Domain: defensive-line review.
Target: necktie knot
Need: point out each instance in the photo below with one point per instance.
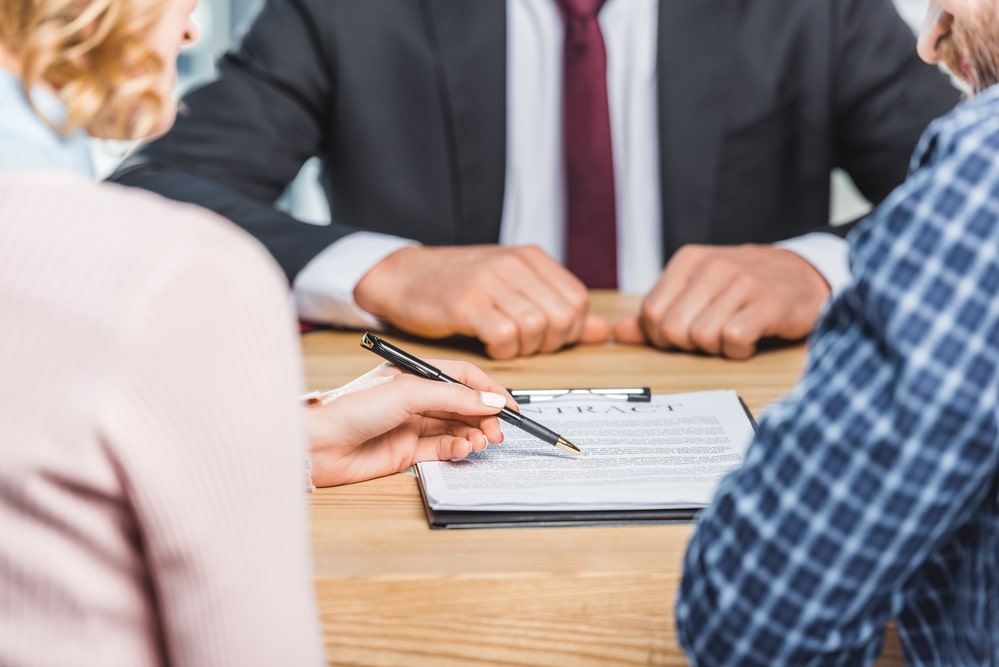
(580, 9)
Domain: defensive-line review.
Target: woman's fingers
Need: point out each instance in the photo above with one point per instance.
(448, 447)
(473, 376)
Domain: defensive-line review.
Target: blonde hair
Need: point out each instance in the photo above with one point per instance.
(95, 54)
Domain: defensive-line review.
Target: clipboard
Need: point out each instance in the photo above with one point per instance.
(457, 519)
(451, 519)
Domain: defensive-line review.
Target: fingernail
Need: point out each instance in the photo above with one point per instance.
(492, 399)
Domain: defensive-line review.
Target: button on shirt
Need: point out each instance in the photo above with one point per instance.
(870, 492)
(534, 198)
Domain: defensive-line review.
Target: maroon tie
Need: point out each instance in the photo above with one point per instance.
(591, 242)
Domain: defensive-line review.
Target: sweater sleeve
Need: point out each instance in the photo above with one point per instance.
(208, 434)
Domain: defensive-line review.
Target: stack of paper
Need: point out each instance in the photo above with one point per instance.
(657, 460)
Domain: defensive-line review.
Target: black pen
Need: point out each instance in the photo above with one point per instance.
(408, 362)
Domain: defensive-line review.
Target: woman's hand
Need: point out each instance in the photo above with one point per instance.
(387, 420)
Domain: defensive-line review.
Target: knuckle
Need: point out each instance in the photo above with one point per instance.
(408, 388)
(674, 333)
(578, 299)
(532, 250)
(461, 368)
(648, 316)
(705, 338)
(719, 267)
(689, 251)
(747, 282)
(467, 292)
(534, 322)
(562, 321)
(502, 351)
(501, 334)
(524, 254)
(501, 265)
(738, 335)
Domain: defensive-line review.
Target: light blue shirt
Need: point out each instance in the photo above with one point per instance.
(27, 142)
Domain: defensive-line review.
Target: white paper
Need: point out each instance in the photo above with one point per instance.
(669, 453)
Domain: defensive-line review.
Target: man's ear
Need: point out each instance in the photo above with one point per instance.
(937, 26)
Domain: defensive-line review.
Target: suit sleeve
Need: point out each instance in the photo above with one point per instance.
(884, 95)
(241, 139)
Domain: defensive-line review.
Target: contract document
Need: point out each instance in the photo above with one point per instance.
(655, 460)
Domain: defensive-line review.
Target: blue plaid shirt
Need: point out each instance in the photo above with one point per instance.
(870, 491)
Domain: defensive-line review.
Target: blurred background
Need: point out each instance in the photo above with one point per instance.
(222, 21)
(848, 204)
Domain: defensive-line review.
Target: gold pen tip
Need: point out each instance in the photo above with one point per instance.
(567, 446)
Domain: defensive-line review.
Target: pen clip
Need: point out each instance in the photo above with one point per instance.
(630, 394)
(402, 359)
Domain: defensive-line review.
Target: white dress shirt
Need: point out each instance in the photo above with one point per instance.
(534, 196)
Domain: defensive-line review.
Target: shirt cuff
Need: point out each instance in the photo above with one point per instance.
(309, 485)
(324, 289)
(828, 253)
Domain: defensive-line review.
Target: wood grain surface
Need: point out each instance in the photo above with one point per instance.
(393, 592)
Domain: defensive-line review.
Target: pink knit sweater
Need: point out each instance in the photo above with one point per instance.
(151, 446)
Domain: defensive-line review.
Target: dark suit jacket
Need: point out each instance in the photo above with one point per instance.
(404, 101)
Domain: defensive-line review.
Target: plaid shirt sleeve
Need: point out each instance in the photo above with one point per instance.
(871, 474)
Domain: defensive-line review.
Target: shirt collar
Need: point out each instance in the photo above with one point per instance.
(27, 142)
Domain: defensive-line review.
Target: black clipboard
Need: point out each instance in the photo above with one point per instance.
(449, 519)
(439, 519)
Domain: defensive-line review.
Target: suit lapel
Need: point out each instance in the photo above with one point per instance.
(695, 43)
(469, 39)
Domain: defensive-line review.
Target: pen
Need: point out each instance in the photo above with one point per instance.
(408, 362)
(630, 394)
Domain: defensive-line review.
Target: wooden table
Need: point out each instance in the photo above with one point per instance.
(393, 592)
